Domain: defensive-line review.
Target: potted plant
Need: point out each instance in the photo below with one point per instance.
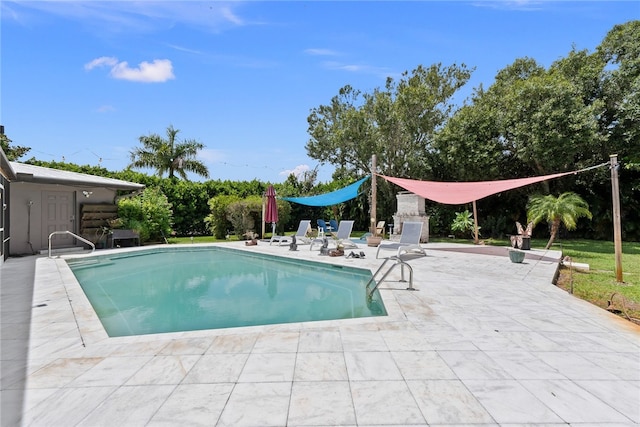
(516, 255)
(373, 238)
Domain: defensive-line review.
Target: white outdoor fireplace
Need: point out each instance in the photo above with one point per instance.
(410, 208)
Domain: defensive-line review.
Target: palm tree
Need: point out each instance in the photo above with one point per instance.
(169, 155)
(565, 209)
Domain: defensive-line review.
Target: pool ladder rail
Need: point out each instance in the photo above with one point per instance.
(93, 247)
(398, 262)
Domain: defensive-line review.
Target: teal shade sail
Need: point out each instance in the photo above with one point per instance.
(328, 199)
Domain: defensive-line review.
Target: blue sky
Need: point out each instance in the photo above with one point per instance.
(84, 80)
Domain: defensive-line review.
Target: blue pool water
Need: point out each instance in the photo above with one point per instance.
(185, 289)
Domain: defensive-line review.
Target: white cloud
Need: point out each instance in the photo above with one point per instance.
(227, 14)
(135, 16)
(363, 69)
(103, 61)
(105, 109)
(297, 171)
(158, 71)
(321, 52)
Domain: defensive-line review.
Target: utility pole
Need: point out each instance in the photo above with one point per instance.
(617, 229)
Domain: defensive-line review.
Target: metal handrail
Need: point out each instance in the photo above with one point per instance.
(93, 247)
(399, 261)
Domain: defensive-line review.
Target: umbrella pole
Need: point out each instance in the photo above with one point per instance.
(263, 211)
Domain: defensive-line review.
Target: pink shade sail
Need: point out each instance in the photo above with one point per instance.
(459, 193)
(271, 211)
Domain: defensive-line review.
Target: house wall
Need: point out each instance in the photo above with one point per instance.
(27, 233)
(4, 218)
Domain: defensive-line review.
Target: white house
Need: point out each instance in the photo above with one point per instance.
(6, 176)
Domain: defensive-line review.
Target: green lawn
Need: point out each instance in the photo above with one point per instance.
(597, 286)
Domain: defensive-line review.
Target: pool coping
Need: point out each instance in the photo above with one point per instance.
(91, 330)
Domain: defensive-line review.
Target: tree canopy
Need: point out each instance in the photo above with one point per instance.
(531, 121)
(13, 152)
(169, 155)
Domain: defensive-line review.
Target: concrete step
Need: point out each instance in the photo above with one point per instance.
(58, 251)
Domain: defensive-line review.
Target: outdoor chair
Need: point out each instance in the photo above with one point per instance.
(409, 240)
(341, 237)
(301, 235)
(334, 225)
(380, 228)
(322, 228)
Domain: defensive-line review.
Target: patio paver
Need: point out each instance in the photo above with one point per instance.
(481, 341)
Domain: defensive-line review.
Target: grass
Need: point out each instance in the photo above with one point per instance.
(598, 285)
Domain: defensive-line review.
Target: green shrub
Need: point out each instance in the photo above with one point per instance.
(463, 223)
(217, 220)
(149, 214)
(245, 215)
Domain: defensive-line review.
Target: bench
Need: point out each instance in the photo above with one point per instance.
(125, 235)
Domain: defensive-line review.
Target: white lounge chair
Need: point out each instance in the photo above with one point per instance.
(409, 240)
(341, 236)
(301, 235)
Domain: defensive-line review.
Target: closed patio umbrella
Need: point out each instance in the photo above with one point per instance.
(271, 211)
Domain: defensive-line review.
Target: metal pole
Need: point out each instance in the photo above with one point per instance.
(617, 229)
(263, 212)
(374, 195)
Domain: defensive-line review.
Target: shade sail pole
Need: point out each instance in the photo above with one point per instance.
(617, 228)
(475, 224)
(374, 195)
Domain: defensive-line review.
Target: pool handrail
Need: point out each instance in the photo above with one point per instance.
(93, 247)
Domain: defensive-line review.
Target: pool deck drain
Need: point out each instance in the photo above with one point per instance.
(482, 341)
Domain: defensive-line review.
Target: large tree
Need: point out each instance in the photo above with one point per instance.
(169, 155)
(397, 123)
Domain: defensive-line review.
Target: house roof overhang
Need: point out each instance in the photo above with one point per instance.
(5, 167)
(42, 175)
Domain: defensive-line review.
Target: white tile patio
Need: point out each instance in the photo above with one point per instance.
(481, 341)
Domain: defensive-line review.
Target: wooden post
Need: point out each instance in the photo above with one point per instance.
(374, 195)
(475, 222)
(617, 229)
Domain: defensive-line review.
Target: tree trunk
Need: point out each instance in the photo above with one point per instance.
(555, 226)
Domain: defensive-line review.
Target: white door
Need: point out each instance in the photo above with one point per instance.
(58, 215)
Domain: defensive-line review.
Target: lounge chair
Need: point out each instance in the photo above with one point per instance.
(342, 236)
(409, 240)
(301, 235)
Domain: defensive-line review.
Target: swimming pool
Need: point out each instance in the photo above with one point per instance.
(186, 289)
